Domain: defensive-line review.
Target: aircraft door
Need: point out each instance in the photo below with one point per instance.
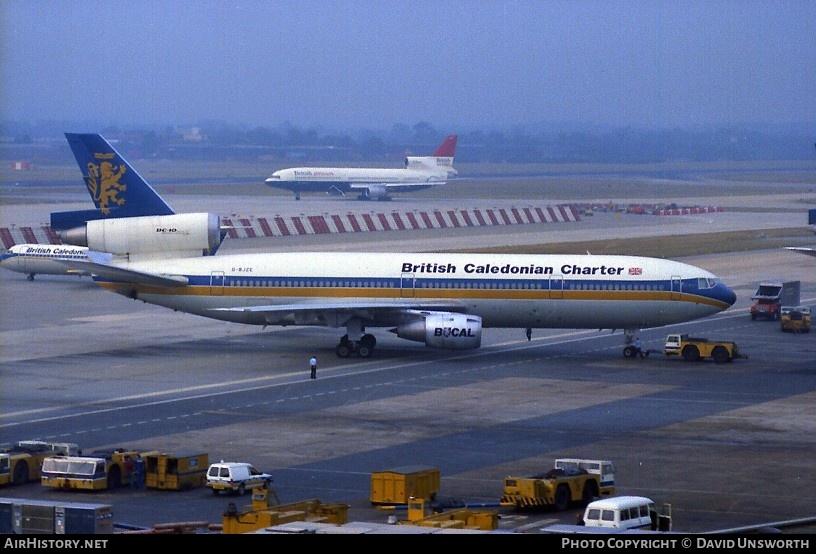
(676, 287)
(407, 282)
(557, 286)
(217, 283)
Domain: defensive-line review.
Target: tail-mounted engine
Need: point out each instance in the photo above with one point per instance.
(188, 234)
(450, 331)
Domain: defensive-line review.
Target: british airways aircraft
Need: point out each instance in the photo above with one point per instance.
(371, 183)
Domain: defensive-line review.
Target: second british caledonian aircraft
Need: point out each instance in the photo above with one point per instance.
(443, 300)
(117, 191)
(372, 183)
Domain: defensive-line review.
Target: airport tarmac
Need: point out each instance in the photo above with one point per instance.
(723, 445)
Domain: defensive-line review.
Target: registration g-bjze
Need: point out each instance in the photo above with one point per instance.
(443, 300)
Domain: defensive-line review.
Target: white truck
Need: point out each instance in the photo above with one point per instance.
(236, 477)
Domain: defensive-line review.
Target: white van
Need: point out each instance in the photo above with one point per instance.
(237, 477)
(621, 512)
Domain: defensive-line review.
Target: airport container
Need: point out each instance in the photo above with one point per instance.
(177, 472)
(39, 517)
(398, 485)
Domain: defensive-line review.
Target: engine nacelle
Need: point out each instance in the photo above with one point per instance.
(376, 191)
(188, 234)
(449, 331)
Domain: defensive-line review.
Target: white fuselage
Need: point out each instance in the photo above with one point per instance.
(384, 289)
(42, 259)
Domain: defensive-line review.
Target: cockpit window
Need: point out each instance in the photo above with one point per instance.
(707, 283)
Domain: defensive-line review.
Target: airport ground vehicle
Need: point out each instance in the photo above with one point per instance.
(621, 512)
(693, 349)
(795, 319)
(236, 477)
(772, 296)
(100, 470)
(180, 471)
(22, 462)
(399, 485)
(265, 511)
(22, 516)
(571, 480)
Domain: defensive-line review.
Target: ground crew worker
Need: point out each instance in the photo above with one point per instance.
(138, 471)
(129, 467)
(313, 365)
(638, 351)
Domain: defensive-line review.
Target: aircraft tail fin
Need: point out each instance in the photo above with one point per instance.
(116, 189)
(448, 147)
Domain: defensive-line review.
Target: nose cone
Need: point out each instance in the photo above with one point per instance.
(728, 295)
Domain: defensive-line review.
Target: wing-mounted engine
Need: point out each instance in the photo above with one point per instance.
(374, 191)
(449, 331)
(188, 234)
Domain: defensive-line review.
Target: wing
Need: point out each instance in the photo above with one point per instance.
(337, 314)
(396, 187)
(802, 250)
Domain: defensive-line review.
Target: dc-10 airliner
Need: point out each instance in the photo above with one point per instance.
(372, 183)
(443, 300)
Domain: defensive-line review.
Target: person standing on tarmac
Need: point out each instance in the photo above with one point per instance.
(638, 351)
(313, 365)
(138, 471)
(129, 467)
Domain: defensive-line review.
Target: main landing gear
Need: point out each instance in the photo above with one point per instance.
(362, 347)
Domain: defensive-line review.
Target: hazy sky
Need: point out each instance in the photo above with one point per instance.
(450, 63)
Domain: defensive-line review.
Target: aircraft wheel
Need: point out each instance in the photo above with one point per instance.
(364, 351)
(30, 277)
(369, 341)
(629, 351)
(343, 350)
